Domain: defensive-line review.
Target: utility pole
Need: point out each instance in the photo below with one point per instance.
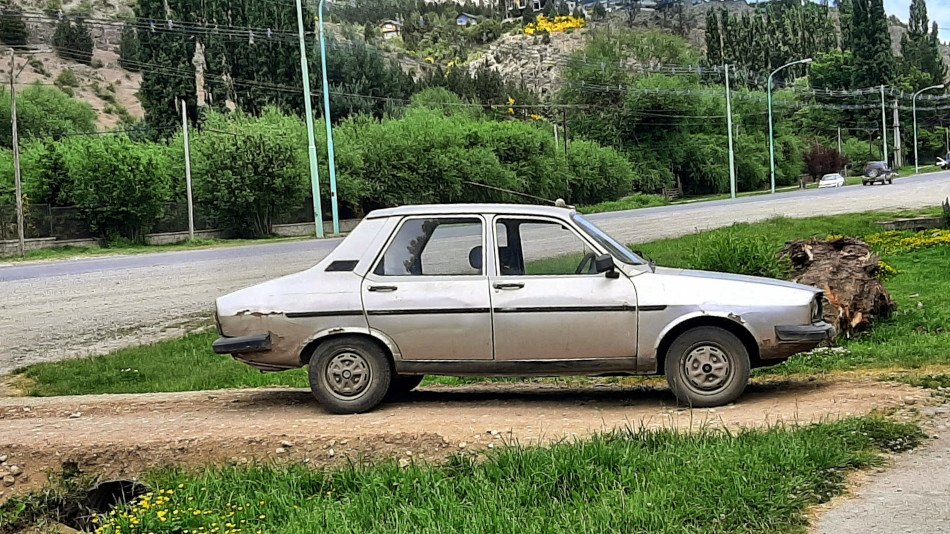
(898, 152)
(308, 109)
(732, 152)
(21, 244)
(841, 152)
(191, 205)
(884, 124)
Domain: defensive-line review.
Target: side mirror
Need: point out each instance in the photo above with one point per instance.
(605, 264)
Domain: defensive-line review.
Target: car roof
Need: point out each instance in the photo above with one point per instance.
(462, 209)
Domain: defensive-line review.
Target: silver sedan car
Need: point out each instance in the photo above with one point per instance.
(510, 290)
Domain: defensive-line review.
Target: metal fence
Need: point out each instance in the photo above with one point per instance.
(42, 220)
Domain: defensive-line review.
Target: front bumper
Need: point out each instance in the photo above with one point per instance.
(814, 333)
(239, 345)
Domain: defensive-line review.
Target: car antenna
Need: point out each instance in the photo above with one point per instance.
(560, 203)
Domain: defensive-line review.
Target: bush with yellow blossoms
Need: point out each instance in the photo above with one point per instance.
(165, 511)
(557, 24)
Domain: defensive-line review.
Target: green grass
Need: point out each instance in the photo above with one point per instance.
(635, 481)
(186, 364)
(71, 252)
(628, 203)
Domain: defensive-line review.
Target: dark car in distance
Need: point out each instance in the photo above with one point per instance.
(878, 171)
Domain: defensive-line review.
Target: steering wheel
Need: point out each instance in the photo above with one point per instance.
(586, 263)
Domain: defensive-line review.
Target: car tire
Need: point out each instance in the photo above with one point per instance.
(890, 181)
(349, 375)
(403, 384)
(707, 366)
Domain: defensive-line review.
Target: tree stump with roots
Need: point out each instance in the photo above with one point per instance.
(849, 274)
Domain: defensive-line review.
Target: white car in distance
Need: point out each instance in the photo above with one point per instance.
(831, 180)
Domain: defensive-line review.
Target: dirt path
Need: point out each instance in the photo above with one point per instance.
(121, 435)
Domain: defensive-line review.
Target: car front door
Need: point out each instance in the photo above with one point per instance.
(429, 291)
(546, 304)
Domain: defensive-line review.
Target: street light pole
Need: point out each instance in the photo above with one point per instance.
(914, 101)
(732, 152)
(771, 127)
(884, 126)
(308, 109)
(331, 160)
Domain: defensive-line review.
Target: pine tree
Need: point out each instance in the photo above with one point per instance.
(874, 60)
(13, 31)
(600, 12)
(562, 9)
(920, 50)
(129, 49)
(713, 39)
(73, 41)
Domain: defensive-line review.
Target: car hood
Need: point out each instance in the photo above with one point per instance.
(709, 275)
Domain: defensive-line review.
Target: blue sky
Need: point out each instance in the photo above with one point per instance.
(937, 10)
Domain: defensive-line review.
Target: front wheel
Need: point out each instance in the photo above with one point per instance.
(707, 366)
(349, 375)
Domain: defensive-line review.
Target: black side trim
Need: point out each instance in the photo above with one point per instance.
(236, 345)
(651, 308)
(567, 309)
(341, 313)
(436, 311)
(342, 266)
(621, 366)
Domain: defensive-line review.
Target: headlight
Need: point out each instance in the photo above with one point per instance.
(818, 308)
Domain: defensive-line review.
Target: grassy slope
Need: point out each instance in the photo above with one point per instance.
(914, 337)
(646, 481)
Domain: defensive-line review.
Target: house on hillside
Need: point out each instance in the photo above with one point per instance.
(466, 19)
(390, 28)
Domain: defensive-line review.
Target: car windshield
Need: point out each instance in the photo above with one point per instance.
(616, 250)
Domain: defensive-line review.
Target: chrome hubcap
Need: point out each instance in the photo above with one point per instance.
(348, 375)
(707, 368)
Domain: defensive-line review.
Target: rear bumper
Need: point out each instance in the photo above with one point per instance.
(814, 333)
(240, 345)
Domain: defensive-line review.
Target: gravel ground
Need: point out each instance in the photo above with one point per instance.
(55, 310)
(913, 496)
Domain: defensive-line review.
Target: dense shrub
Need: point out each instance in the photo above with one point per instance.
(249, 170)
(821, 160)
(597, 173)
(120, 187)
(45, 112)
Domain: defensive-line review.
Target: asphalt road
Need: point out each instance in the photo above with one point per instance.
(61, 309)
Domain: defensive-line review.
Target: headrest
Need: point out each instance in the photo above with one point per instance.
(475, 258)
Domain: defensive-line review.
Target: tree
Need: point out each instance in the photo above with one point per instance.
(713, 39)
(120, 187)
(562, 9)
(13, 31)
(249, 170)
(45, 112)
(873, 59)
(920, 50)
(129, 49)
(821, 160)
(72, 41)
(600, 12)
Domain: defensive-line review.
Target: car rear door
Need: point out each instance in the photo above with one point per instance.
(428, 290)
(543, 309)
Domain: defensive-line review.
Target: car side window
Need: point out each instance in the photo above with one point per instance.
(538, 248)
(435, 247)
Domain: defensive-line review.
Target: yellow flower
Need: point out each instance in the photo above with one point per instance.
(535, 116)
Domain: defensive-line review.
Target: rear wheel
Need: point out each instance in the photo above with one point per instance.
(707, 366)
(349, 375)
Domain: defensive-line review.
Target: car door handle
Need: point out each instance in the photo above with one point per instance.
(512, 285)
(382, 289)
